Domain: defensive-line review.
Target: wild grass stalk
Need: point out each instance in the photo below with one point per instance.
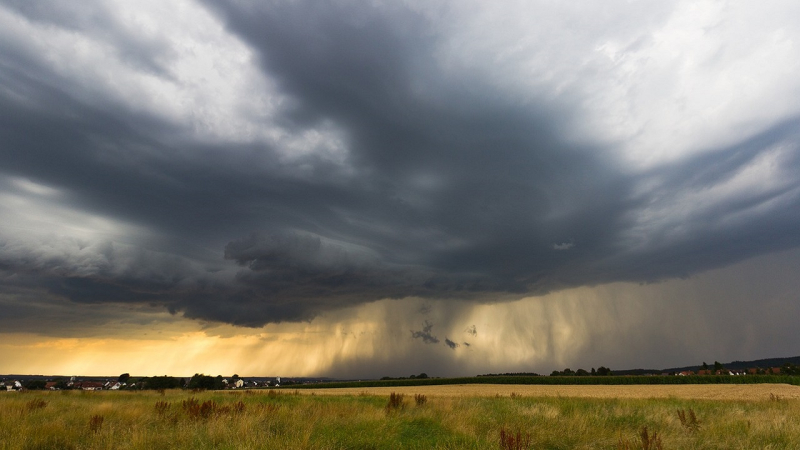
(647, 441)
(514, 441)
(395, 402)
(96, 423)
(689, 421)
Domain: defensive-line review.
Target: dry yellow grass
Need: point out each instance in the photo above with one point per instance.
(685, 391)
(454, 417)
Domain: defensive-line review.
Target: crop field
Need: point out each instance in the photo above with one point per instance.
(763, 416)
(682, 391)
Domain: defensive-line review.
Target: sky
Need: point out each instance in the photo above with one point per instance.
(359, 189)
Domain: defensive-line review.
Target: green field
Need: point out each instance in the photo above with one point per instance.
(292, 420)
(565, 381)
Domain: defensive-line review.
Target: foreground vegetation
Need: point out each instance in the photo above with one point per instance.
(291, 420)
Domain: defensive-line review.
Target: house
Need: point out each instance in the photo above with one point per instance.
(51, 386)
(12, 385)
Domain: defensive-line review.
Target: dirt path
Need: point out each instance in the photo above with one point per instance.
(688, 391)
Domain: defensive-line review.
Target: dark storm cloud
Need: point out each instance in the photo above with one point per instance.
(494, 169)
(448, 188)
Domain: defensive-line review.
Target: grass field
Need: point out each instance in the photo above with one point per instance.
(441, 417)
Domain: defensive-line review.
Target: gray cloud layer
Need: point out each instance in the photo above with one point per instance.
(445, 186)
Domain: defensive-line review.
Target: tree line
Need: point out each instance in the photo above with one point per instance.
(600, 372)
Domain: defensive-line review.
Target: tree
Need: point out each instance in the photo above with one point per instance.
(718, 366)
(165, 382)
(201, 381)
(124, 377)
(34, 385)
(705, 366)
(603, 371)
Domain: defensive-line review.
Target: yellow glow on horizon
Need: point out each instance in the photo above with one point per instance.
(586, 325)
(298, 349)
(509, 334)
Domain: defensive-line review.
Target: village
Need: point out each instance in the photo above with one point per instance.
(125, 382)
(16, 383)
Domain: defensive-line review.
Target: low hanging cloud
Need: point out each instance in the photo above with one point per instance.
(451, 344)
(425, 334)
(354, 152)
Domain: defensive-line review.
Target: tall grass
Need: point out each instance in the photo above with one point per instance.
(269, 419)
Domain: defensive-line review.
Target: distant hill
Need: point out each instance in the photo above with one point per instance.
(763, 363)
